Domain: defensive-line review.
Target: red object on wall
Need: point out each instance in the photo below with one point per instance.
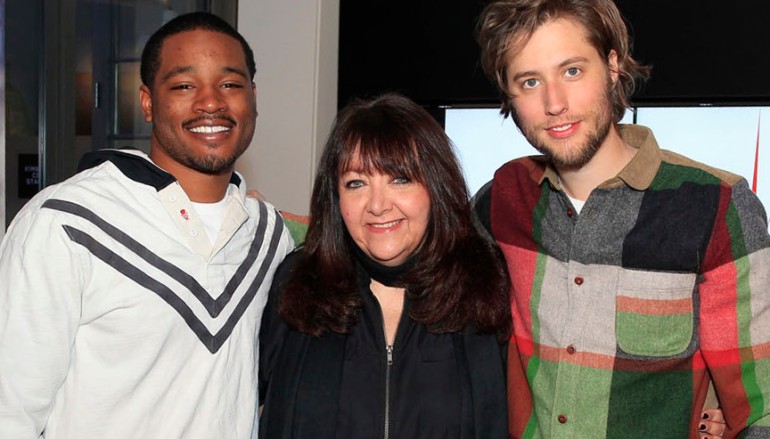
(756, 157)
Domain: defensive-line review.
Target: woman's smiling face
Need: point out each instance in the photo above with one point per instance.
(387, 216)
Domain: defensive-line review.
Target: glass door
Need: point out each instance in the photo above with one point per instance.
(119, 30)
(72, 81)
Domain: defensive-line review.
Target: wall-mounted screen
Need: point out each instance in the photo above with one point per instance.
(722, 137)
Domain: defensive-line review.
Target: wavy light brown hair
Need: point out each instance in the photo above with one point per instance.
(458, 278)
(505, 26)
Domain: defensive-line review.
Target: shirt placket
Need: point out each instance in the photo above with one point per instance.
(576, 305)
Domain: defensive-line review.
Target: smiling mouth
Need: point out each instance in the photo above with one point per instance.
(211, 124)
(561, 128)
(209, 129)
(386, 225)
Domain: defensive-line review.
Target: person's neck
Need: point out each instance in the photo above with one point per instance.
(199, 187)
(388, 276)
(612, 156)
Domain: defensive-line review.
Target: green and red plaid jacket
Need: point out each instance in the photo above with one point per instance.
(622, 312)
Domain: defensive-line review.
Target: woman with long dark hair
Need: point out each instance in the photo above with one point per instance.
(390, 320)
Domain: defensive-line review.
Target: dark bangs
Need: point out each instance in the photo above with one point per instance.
(380, 143)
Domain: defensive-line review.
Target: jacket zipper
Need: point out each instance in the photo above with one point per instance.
(389, 364)
(388, 368)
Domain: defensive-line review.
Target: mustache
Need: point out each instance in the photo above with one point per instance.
(210, 118)
(553, 122)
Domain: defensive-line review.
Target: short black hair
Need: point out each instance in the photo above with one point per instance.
(184, 23)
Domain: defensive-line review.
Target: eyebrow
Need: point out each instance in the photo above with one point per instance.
(188, 69)
(235, 70)
(561, 65)
(176, 71)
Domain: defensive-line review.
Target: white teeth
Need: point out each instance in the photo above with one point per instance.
(562, 128)
(208, 130)
(386, 225)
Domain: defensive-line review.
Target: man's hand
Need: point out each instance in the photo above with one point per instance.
(712, 424)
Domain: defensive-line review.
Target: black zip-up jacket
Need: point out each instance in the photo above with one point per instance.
(440, 385)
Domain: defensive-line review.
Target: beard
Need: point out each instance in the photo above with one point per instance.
(571, 153)
(211, 162)
(207, 164)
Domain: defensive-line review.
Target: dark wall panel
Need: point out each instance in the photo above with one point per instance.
(702, 51)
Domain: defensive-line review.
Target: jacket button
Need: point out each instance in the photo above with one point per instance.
(571, 349)
(562, 419)
(578, 280)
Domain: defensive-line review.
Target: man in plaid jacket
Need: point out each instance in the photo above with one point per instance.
(638, 275)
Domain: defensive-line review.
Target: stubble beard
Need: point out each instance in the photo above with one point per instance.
(567, 154)
(213, 164)
(210, 163)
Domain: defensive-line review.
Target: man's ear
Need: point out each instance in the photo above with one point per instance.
(145, 100)
(612, 64)
(254, 91)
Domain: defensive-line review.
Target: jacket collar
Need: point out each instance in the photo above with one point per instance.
(136, 165)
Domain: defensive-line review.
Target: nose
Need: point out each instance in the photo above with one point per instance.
(555, 99)
(379, 200)
(210, 100)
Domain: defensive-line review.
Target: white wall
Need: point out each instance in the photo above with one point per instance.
(295, 44)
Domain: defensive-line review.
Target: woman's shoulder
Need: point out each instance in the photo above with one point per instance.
(290, 260)
(284, 271)
(271, 323)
